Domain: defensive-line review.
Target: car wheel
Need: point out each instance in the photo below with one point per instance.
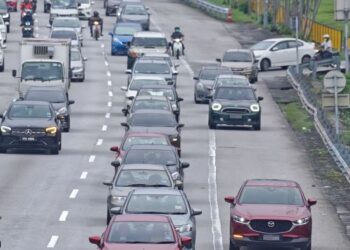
(2, 68)
(305, 59)
(3, 150)
(265, 65)
(257, 126)
(55, 150)
(8, 28)
(233, 246)
(195, 99)
(107, 13)
(211, 124)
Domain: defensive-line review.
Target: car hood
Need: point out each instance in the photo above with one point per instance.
(134, 18)
(259, 53)
(123, 38)
(284, 212)
(76, 64)
(237, 64)
(241, 103)
(161, 130)
(152, 50)
(30, 123)
(116, 246)
(207, 83)
(57, 106)
(165, 76)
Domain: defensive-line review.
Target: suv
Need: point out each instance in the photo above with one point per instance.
(5, 14)
(270, 213)
(146, 42)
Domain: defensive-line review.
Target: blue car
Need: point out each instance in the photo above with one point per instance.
(121, 35)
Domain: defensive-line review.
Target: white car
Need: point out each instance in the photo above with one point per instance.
(85, 9)
(281, 52)
(2, 60)
(68, 22)
(3, 31)
(67, 33)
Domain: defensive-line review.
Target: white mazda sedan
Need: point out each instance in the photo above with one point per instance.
(281, 52)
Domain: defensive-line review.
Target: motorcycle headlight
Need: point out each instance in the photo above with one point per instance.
(240, 219)
(51, 130)
(302, 221)
(62, 110)
(118, 200)
(184, 228)
(174, 107)
(216, 106)
(174, 138)
(255, 107)
(5, 129)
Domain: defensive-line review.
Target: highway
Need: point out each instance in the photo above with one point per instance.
(57, 201)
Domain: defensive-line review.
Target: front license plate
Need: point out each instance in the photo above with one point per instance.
(28, 139)
(236, 116)
(269, 237)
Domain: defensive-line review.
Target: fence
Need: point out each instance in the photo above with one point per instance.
(212, 9)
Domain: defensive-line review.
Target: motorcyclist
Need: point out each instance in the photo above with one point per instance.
(95, 18)
(177, 34)
(326, 47)
(28, 17)
(26, 4)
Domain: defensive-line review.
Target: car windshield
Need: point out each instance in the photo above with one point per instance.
(271, 195)
(141, 232)
(84, 1)
(64, 34)
(150, 156)
(263, 45)
(153, 120)
(152, 68)
(231, 81)
(142, 177)
(212, 74)
(29, 111)
(64, 4)
(156, 203)
(237, 56)
(150, 104)
(149, 42)
(75, 55)
(136, 84)
(144, 140)
(126, 30)
(42, 71)
(134, 10)
(3, 5)
(157, 92)
(235, 94)
(53, 96)
(69, 23)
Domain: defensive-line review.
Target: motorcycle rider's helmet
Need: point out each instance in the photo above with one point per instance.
(96, 14)
(177, 29)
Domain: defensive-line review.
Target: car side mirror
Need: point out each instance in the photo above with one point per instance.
(115, 163)
(128, 71)
(70, 102)
(185, 164)
(14, 73)
(125, 124)
(131, 98)
(311, 202)
(125, 111)
(260, 98)
(107, 183)
(230, 199)
(180, 126)
(83, 27)
(178, 183)
(124, 88)
(218, 60)
(196, 212)
(256, 61)
(116, 210)
(96, 240)
(79, 4)
(175, 73)
(179, 99)
(196, 78)
(115, 149)
(85, 58)
(186, 241)
(128, 44)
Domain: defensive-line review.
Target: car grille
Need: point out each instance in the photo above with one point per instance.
(28, 132)
(236, 110)
(271, 226)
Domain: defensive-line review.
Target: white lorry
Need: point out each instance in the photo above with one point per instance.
(43, 62)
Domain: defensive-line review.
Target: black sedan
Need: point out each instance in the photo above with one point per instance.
(30, 125)
(134, 12)
(235, 106)
(57, 97)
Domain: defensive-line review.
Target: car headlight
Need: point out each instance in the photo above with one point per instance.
(216, 106)
(184, 228)
(51, 130)
(5, 129)
(240, 219)
(302, 221)
(174, 107)
(118, 200)
(200, 85)
(255, 107)
(62, 110)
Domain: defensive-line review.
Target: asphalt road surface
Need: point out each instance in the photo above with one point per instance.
(49, 201)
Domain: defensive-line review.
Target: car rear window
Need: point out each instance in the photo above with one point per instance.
(136, 84)
(211, 74)
(149, 42)
(237, 56)
(144, 140)
(271, 195)
(150, 104)
(143, 177)
(152, 68)
(150, 156)
(153, 120)
(157, 92)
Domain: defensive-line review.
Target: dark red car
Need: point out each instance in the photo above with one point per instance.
(135, 138)
(135, 232)
(272, 213)
(11, 5)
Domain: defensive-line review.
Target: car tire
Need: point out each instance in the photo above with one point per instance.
(107, 13)
(265, 65)
(211, 124)
(257, 126)
(306, 59)
(3, 150)
(2, 68)
(55, 150)
(233, 246)
(195, 99)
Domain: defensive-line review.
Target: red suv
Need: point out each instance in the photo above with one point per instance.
(272, 213)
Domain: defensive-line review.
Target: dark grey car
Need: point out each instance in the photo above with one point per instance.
(112, 6)
(171, 202)
(134, 12)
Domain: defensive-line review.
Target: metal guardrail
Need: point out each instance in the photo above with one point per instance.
(339, 151)
(212, 9)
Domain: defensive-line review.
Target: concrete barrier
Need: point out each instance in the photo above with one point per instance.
(214, 10)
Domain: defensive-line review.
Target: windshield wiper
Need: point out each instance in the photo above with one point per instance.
(178, 213)
(163, 242)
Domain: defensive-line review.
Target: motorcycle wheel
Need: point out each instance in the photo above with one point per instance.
(177, 54)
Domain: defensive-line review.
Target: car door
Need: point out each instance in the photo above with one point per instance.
(278, 55)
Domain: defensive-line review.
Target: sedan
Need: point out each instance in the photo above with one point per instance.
(121, 36)
(156, 121)
(281, 52)
(171, 202)
(111, 6)
(129, 232)
(5, 14)
(135, 12)
(30, 125)
(67, 33)
(77, 65)
(205, 80)
(57, 97)
(235, 106)
(68, 22)
(270, 213)
(133, 176)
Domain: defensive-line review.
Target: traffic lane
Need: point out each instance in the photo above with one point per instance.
(273, 152)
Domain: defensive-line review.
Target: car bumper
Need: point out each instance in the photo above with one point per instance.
(84, 13)
(111, 9)
(78, 75)
(42, 142)
(201, 94)
(284, 242)
(119, 49)
(241, 120)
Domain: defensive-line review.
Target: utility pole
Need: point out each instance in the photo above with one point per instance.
(296, 40)
(266, 5)
(346, 20)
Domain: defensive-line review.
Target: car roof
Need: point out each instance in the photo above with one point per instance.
(141, 217)
(142, 167)
(271, 183)
(152, 34)
(144, 134)
(66, 17)
(158, 87)
(157, 191)
(152, 146)
(152, 77)
(128, 24)
(151, 111)
(239, 50)
(160, 55)
(45, 88)
(25, 102)
(280, 39)
(214, 68)
(233, 76)
(151, 97)
(152, 61)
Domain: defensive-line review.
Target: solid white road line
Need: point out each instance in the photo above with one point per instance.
(53, 241)
(104, 128)
(73, 194)
(83, 175)
(110, 93)
(109, 83)
(63, 216)
(92, 158)
(109, 104)
(99, 142)
(108, 115)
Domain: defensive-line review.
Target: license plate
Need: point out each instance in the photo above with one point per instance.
(269, 237)
(28, 139)
(236, 116)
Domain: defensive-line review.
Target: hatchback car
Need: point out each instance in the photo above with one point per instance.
(230, 80)
(171, 202)
(68, 22)
(235, 106)
(77, 65)
(205, 80)
(281, 52)
(270, 213)
(140, 232)
(135, 12)
(134, 176)
(85, 9)
(242, 62)
(67, 33)
(30, 125)
(4, 12)
(121, 36)
(57, 97)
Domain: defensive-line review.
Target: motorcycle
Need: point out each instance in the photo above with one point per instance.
(24, 12)
(96, 30)
(177, 47)
(27, 30)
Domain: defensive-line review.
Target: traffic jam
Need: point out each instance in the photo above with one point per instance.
(147, 206)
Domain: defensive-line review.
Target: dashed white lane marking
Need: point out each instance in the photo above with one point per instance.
(109, 104)
(187, 66)
(73, 194)
(53, 241)
(63, 216)
(99, 142)
(106, 63)
(109, 83)
(102, 45)
(108, 115)
(108, 73)
(110, 93)
(92, 158)
(104, 128)
(83, 175)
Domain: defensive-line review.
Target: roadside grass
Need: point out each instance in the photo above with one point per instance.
(335, 176)
(238, 16)
(325, 15)
(297, 116)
